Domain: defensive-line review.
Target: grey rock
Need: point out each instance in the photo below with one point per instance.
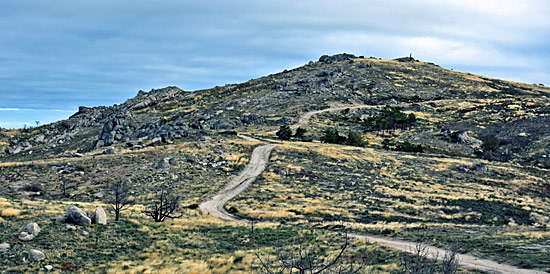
(48, 267)
(78, 217)
(33, 229)
(109, 151)
(36, 255)
(60, 219)
(221, 125)
(253, 119)
(164, 163)
(85, 233)
(40, 138)
(71, 227)
(480, 167)
(4, 247)
(100, 216)
(24, 236)
(156, 141)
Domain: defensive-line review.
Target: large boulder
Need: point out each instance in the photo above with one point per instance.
(77, 216)
(33, 229)
(100, 216)
(36, 255)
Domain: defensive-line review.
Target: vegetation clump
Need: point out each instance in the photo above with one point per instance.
(389, 119)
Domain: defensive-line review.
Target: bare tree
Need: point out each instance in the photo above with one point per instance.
(304, 259)
(424, 262)
(165, 206)
(118, 196)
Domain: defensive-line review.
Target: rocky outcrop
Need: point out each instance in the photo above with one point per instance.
(336, 58)
(120, 128)
(78, 217)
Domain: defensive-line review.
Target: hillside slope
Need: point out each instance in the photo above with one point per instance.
(409, 150)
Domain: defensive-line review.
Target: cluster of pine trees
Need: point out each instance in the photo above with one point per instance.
(389, 119)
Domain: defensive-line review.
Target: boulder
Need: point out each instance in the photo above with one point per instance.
(156, 141)
(60, 219)
(109, 151)
(33, 229)
(480, 167)
(48, 267)
(4, 247)
(78, 217)
(100, 216)
(163, 163)
(24, 236)
(36, 255)
(71, 227)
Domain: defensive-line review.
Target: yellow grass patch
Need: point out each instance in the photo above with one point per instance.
(10, 212)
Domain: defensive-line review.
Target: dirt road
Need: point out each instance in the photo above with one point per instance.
(464, 260)
(258, 162)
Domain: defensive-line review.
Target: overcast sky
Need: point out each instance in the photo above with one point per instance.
(58, 55)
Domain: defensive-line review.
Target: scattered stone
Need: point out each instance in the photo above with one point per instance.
(100, 216)
(33, 229)
(4, 247)
(48, 267)
(156, 141)
(78, 217)
(85, 233)
(60, 219)
(24, 236)
(36, 255)
(109, 151)
(71, 227)
(163, 163)
(480, 167)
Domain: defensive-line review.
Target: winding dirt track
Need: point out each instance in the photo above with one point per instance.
(258, 162)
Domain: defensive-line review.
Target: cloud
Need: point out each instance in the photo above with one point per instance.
(103, 52)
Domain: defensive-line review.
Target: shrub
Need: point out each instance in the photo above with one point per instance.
(355, 139)
(284, 132)
(300, 132)
(332, 136)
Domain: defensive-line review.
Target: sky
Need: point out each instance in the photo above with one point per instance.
(58, 55)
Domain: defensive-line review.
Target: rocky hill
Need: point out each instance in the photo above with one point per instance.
(466, 110)
(400, 148)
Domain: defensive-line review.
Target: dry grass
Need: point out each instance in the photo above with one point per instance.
(10, 212)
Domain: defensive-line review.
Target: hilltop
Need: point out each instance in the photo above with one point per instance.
(400, 147)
